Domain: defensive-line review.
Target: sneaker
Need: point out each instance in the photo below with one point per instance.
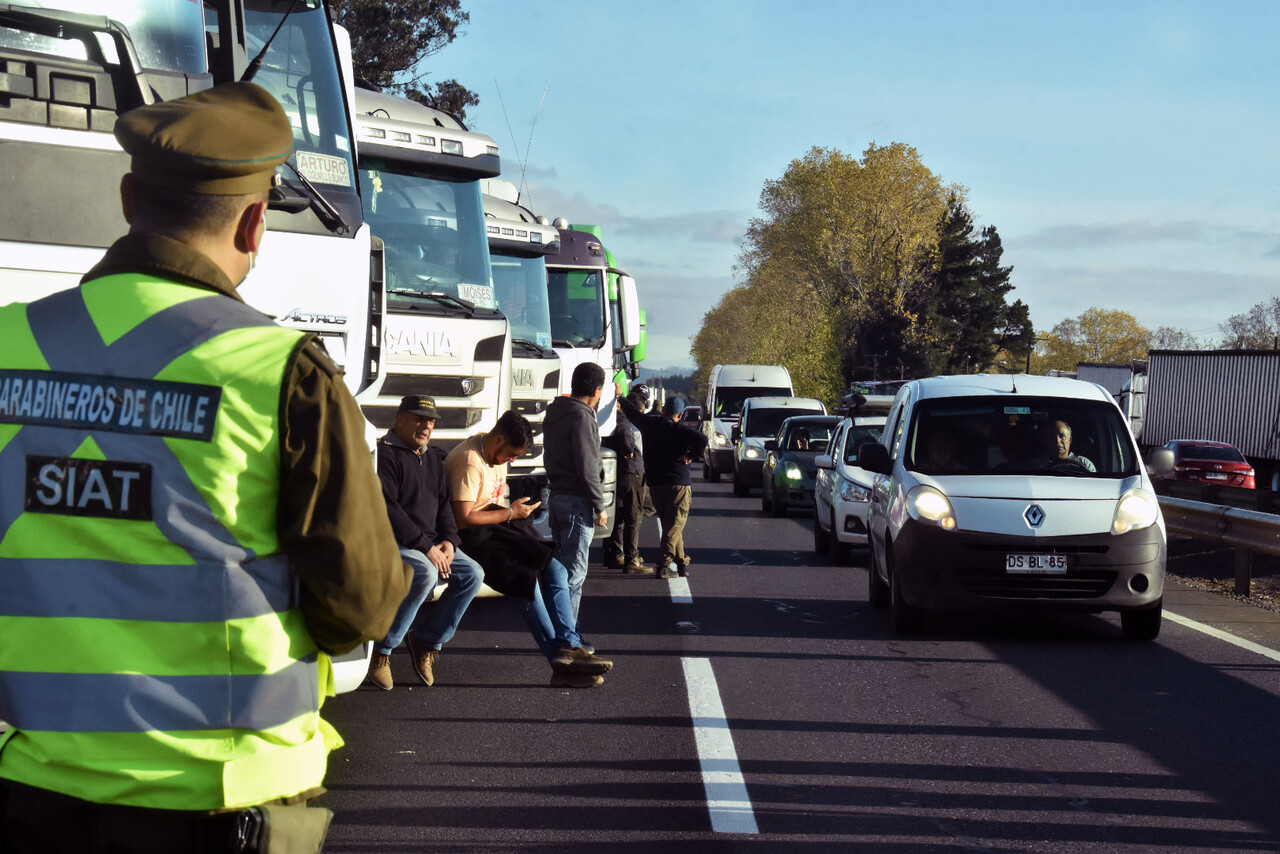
(424, 660)
(638, 567)
(380, 672)
(575, 680)
(669, 571)
(577, 660)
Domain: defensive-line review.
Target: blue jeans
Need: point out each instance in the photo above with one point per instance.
(442, 617)
(549, 613)
(573, 524)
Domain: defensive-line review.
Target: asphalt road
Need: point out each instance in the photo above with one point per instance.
(819, 729)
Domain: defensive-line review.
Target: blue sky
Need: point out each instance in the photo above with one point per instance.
(1127, 152)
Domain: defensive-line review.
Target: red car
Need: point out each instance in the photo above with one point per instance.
(1205, 461)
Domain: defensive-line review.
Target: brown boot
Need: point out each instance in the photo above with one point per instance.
(423, 660)
(380, 671)
(638, 567)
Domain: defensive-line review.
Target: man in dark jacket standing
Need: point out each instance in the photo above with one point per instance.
(668, 448)
(417, 494)
(622, 549)
(571, 443)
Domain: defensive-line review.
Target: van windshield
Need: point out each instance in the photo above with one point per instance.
(1026, 435)
(728, 403)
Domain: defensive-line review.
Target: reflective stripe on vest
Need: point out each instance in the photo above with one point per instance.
(167, 615)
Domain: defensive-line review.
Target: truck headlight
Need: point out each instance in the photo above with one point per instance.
(610, 466)
(1137, 509)
(926, 504)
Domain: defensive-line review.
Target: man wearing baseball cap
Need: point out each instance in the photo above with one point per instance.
(421, 511)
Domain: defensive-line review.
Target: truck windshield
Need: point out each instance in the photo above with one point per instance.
(1030, 435)
(577, 307)
(435, 238)
(168, 35)
(301, 70)
(521, 284)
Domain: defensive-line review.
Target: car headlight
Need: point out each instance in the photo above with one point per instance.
(1136, 509)
(854, 492)
(753, 453)
(793, 472)
(722, 440)
(926, 504)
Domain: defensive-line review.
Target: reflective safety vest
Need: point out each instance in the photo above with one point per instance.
(152, 650)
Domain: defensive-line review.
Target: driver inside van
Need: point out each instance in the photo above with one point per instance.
(1055, 447)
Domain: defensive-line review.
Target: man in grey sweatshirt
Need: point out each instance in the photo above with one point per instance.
(571, 447)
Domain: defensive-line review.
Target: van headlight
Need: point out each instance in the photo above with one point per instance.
(753, 453)
(926, 504)
(1137, 509)
(722, 441)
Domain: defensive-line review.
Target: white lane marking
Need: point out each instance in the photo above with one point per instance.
(1225, 636)
(680, 592)
(727, 798)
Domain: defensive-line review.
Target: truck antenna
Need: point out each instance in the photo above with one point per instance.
(524, 158)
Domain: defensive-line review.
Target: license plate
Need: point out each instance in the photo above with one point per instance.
(1035, 563)
(1213, 475)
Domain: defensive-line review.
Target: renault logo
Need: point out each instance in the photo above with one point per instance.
(1034, 515)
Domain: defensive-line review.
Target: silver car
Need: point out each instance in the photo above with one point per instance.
(843, 491)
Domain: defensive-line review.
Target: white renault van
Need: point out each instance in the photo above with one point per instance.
(727, 387)
(1013, 492)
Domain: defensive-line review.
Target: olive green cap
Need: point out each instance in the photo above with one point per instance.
(223, 141)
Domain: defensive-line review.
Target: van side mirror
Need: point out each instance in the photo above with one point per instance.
(1159, 462)
(737, 432)
(771, 445)
(874, 457)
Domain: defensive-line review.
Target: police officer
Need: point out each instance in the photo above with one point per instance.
(188, 516)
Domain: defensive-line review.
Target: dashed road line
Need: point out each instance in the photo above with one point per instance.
(680, 592)
(1266, 652)
(728, 803)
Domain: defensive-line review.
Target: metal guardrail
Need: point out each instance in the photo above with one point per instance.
(1248, 531)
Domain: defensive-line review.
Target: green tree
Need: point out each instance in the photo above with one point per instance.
(967, 299)
(1101, 335)
(1256, 329)
(862, 234)
(391, 40)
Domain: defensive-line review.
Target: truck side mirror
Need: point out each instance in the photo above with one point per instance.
(629, 303)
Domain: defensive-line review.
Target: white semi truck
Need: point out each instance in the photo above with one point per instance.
(588, 326)
(71, 66)
(519, 243)
(444, 334)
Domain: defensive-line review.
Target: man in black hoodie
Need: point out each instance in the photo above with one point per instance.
(417, 494)
(571, 444)
(668, 448)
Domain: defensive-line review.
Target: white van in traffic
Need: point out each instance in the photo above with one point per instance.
(1013, 492)
(727, 387)
(758, 422)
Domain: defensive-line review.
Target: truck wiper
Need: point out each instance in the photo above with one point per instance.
(58, 24)
(327, 213)
(256, 65)
(442, 298)
(529, 345)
